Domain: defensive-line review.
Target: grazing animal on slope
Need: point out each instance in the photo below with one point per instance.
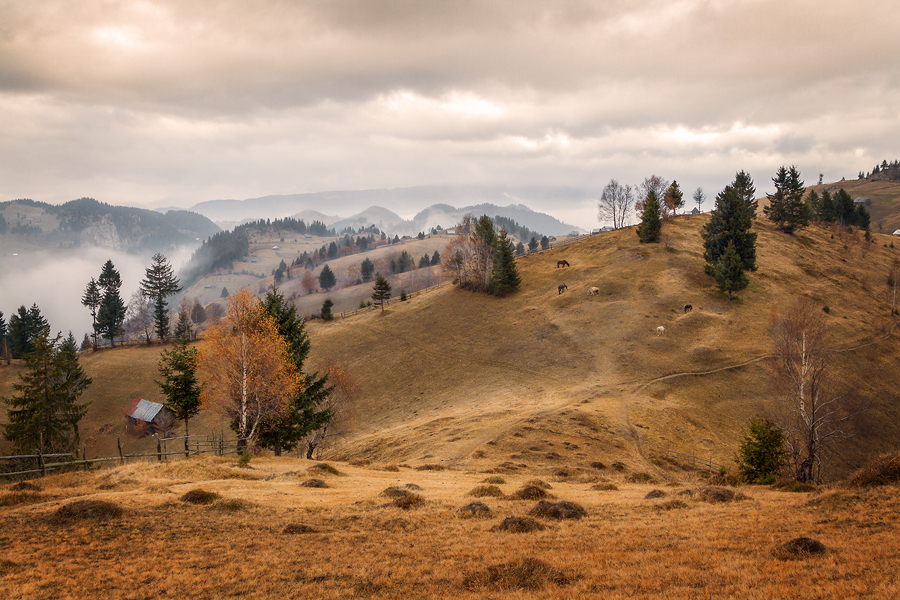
(560, 288)
(562, 263)
(594, 291)
(688, 308)
(660, 331)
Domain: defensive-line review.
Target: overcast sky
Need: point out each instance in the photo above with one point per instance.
(157, 102)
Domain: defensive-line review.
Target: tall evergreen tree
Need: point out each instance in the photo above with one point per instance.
(505, 276)
(730, 222)
(4, 345)
(305, 413)
(327, 279)
(44, 412)
(179, 385)
(367, 270)
(435, 258)
(673, 198)
(382, 291)
(827, 212)
(91, 299)
(743, 185)
(729, 271)
(25, 325)
(160, 282)
(786, 206)
(650, 229)
(844, 209)
(111, 315)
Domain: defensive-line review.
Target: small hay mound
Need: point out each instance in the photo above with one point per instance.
(558, 511)
(493, 479)
(25, 486)
(361, 463)
(314, 483)
(412, 486)
(519, 525)
(474, 509)
(884, 470)
(486, 490)
(620, 467)
(605, 487)
(640, 478)
(390, 468)
(653, 494)
(20, 498)
(565, 473)
(323, 469)
(527, 574)
(528, 492)
(199, 496)
(715, 495)
(798, 548)
(7, 566)
(797, 487)
(430, 467)
(671, 504)
(394, 492)
(87, 509)
(408, 501)
(232, 505)
(539, 483)
(295, 528)
(598, 465)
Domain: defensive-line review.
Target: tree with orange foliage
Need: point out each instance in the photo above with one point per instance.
(245, 367)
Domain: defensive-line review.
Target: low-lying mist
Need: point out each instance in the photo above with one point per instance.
(56, 281)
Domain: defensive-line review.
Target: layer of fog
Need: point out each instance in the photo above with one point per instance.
(56, 282)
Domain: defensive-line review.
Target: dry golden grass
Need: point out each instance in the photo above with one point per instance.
(275, 539)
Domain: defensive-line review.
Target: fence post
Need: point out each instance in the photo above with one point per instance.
(158, 450)
(121, 457)
(41, 460)
(84, 455)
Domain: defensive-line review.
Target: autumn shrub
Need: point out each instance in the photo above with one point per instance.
(522, 574)
(243, 460)
(885, 470)
(558, 510)
(486, 490)
(199, 496)
(518, 525)
(86, 509)
(474, 509)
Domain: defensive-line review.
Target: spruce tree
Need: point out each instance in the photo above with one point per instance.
(91, 300)
(111, 315)
(730, 222)
(382, 291)
(743, 184)
(25, 325)
(827, 212)
(729, 271)
(305, 413)
(505, 276)
(160, 282)
(366, 270)
(786, 206)
(326, 310)
(673, 198)
(650, 229)
(435, 258)
(44, 412)
(762, 451)
(4, 346)
(327, 280)
(179, 385)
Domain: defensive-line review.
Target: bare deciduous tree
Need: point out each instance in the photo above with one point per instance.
(813, 410)
(139, 317)
(615, 203)
(655, 184)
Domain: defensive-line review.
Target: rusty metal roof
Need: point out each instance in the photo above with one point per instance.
(143, 410)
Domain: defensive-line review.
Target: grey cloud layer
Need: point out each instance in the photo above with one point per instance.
(142, 102)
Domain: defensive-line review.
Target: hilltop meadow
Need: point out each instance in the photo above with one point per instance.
(463, 398)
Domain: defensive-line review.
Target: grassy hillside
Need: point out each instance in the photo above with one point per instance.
(885, 197)
(542, 378)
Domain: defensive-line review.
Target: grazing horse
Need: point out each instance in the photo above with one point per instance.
(688, 308)
(560, 288)
(594, 291)
(660, 331)
(562, 263)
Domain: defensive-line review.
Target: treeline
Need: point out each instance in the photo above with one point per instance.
(217, 252)
(520, 232)
(316, 228)
(887, 170)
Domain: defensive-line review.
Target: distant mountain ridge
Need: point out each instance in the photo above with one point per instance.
(367, 207)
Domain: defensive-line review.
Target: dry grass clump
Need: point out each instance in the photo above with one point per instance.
(199, 496)
(197, 470)
(884, 470)
(486, 490)
(431, 467)
(323, 469)
(598, 465)
(314, 483)
(519, 525)
(714, 495)
(799, 487)
(232, 505)
(393, 492)
(539, 483)
(493, 479)
(7, 566)
(671, 504)
(640, 477)
(25, 486)
(529, 492)
(412, 486)
(605, 487)
(524, 574)
(410, 500)
(652, 494)
(87, 509)
(294, 528)
(564, 473)
(389, 468)
(474, 509)
(364, 462)
(558, 510)
(20, 498)
(798, 548)
(620, 467)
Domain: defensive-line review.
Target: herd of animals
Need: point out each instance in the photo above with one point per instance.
(595, 291)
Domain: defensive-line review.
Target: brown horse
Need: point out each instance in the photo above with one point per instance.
(562, 263)
(561, 288)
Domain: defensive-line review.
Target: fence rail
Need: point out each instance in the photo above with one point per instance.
(350, 313)
(695, 461)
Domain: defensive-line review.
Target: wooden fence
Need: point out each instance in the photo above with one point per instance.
(197, 444)
(397, 299)
(695, 461)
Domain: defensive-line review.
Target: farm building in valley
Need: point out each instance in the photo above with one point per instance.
(149, 417)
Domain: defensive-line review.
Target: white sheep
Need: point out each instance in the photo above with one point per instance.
(660, 331)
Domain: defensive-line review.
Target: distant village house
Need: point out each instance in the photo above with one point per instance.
(149, 417)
